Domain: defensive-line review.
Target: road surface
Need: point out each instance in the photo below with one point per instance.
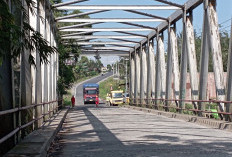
(119, 132)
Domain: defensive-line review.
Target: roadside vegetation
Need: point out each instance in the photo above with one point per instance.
(105, 86)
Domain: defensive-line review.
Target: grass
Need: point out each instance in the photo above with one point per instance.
(104, 87)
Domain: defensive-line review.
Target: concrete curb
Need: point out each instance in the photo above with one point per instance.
(38, 142)
(216, 124)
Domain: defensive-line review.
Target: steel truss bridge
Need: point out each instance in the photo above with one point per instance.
(151, 75)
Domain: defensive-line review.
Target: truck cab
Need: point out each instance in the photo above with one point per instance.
(90, 91)
(116, 97)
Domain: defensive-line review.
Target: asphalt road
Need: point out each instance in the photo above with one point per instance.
(120, 132)
(79, 88)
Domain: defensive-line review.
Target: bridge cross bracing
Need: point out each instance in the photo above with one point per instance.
(151, 75)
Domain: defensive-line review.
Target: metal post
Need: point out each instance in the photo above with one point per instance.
(138, 74)
(175, 62)
(169, 70)
(141, 75)
(204, 62)
(183, 71)
(152, 66)
(192, 59)
(229, 78)
(149, 73)
(157, 76)
(214, 40)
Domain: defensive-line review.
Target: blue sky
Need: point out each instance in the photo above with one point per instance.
(223, 9)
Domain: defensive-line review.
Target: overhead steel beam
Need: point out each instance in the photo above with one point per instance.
(117, 53)
(79, 25)
(103, 43)
(189, 5)
(104, 29)
(102, 37)
(68, 3)
(105, 48)
(81, 33)
(118, 7)
(122, 45)
(170, 3)
(135, 34)
(127, 40)
(80, 14)
(111, 20)
(138, 25)
(146, 14)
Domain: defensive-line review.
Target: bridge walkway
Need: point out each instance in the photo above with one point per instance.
(114, 131)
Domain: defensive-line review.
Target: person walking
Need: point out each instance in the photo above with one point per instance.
(73, 101)
(97, 101)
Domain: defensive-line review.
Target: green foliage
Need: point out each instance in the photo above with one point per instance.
(23, 37)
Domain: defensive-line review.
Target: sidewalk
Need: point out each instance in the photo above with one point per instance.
(38, 142)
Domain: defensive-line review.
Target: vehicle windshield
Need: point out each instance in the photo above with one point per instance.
(91, 92)
(117, 95)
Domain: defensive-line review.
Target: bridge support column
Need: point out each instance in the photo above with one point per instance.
(169, 70)
(215, 45)
(137, 77)
(175, 62)
(192, 59)
(204, 63)
(150, 64)
(132, 75)
(160, 70)
(229, 79)
(183, 70)
(143, 74)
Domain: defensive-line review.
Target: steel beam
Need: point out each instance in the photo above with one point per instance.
(177, 15)
(105, 48)
(183, 66)
(68, 3)
(135, 34)
(79, 25)
(146, 14)
(149, 72)
(192, 60)
(214, 39)
(229, 78)
(111, 20)
(169, 70)
(143, 74)
(104, 29)
(132, 75)
(110, 53)
(175, 62)
(152, 66)
(170, 3)
(126, 40)
(138, 75)
(103, 43)
(204, 63)
(74, 34)
(80, 14)
(102, 37)
(138, 25)
(118, 7)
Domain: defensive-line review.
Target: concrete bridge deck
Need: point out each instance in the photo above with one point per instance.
(114, 131)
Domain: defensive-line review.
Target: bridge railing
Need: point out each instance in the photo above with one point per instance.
(53, 108)
(195, 111)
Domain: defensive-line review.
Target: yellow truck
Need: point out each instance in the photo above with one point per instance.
(116, 97)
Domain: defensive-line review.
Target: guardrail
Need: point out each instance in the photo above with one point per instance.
(162, 102)
(33, 106)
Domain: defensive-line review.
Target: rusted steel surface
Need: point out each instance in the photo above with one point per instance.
(214, 39)
(192, 60)
(175, 62)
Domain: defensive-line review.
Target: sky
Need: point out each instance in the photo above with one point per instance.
(224, 12)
